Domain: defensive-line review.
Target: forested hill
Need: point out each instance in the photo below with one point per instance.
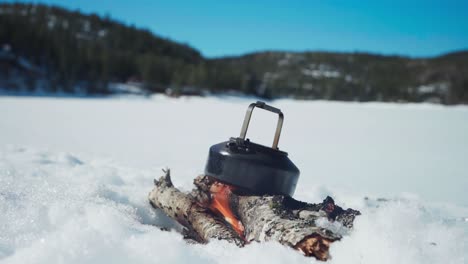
(50, 49)
(75, 49)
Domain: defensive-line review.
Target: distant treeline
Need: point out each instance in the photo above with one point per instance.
(68, 51)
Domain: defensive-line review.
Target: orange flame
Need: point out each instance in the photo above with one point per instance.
(220, 202)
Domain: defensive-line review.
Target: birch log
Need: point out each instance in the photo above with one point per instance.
(265, 218)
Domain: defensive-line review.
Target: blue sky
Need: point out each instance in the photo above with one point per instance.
(220, 28)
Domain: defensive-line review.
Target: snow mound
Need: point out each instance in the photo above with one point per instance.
(61, 208)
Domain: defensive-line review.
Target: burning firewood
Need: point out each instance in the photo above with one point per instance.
(214, 210)
(200, 223)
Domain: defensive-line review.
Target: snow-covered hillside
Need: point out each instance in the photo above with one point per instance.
(75, 173)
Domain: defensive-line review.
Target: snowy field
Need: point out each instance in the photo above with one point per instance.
(75, 174)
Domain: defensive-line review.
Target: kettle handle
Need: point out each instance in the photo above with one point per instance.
(270, 108)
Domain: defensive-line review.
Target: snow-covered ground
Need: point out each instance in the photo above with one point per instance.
(75, 173)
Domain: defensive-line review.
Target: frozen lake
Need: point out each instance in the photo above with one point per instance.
(89, 163)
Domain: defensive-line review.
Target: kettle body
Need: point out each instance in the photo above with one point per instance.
(256, 168)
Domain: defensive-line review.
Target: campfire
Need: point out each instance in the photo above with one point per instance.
(214, 210)
(220, 195)
(245, 196)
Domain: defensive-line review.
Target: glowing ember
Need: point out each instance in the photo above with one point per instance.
(220, 194)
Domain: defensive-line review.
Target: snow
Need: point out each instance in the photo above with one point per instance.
(65, 24)
(102, 33)
(320, 71)
(433, 88)
(86, 26)
(52, 21)
(27, 65)
(128, 88)
(288, 57)
(75, 173)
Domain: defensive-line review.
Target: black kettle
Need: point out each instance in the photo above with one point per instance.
(253, 167)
